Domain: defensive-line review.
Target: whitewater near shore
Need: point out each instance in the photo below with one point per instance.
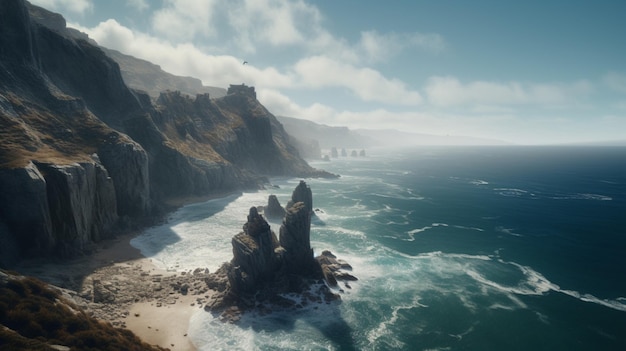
(452, 247)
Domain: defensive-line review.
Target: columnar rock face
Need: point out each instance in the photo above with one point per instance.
(127, 164)
(24, 208)
(260, 259)
(295, 238)
(81, 203)
(61, 207)
(255, 261)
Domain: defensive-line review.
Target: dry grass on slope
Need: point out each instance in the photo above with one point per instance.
(31, 132)
(34, 316)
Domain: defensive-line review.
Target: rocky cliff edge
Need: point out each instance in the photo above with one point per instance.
(82, 155)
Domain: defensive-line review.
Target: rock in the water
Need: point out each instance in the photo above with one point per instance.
(263, 267)
(273, 208)
(302, 193)
(254, 262)
(295, 233)
(332, 268)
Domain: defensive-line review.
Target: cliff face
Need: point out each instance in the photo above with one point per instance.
(79, 150)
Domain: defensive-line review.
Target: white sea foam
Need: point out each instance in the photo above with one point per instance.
(582, 196)
(616, 304)
(382, 330)
(513, 192)
(508, 231)
(398, 293)
(479, 182)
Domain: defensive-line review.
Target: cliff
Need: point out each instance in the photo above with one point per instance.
(82, 154)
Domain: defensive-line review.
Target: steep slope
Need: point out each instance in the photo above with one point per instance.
(143, 75)
(81, 153)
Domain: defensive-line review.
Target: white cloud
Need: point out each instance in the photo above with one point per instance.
(140, 5)
(365, 83)
(616, 81)
(271, 22)
(185, 59)
(379, 47)
(248, 25)
(183, 20)
(449, 91)
(281, 105)
(72, 6)
(317, 72)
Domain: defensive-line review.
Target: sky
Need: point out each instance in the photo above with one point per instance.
(527, 72)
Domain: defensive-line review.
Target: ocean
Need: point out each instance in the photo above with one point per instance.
(455, 248)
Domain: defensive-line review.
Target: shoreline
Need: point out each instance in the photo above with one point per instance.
(127, 290)
(115, 283)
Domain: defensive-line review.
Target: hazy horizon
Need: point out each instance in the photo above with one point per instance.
(526, 73)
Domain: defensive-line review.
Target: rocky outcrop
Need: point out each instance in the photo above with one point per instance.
(263, 268)
(256, 255)
(302, 193)
(273, 209)
(295, 238)
(334, 269)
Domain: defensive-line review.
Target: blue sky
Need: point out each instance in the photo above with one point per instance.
(526, 72)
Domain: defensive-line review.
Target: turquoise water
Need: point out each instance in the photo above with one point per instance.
(514, 248)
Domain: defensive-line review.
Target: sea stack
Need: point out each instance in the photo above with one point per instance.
(264, 267)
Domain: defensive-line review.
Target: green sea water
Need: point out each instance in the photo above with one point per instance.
(483, 248)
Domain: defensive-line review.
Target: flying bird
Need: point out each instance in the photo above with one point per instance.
(245, 62)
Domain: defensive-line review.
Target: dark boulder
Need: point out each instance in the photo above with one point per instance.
(273, 208)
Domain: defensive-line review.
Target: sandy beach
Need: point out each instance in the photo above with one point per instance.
(118, 285)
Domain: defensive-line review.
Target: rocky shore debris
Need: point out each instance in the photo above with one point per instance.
(265, 268)
(110, 291)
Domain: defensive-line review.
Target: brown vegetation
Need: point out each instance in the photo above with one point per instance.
(41, 135)
(34, 316)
